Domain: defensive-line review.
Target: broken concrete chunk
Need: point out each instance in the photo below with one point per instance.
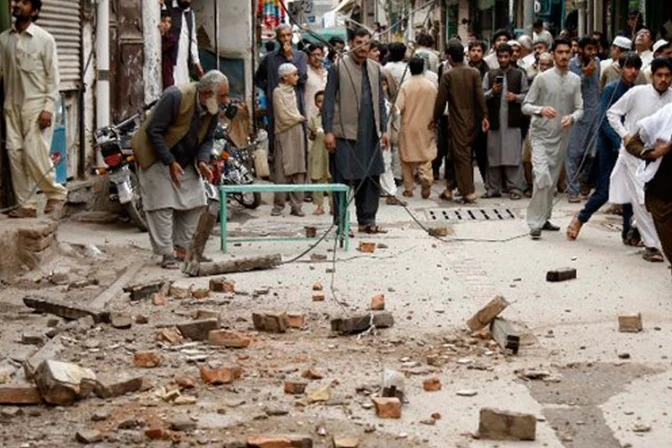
(231, 266)
(32, 338)
(115, 385)
(502, 332)
(345, 442)
(222, 285)
(392, 385)
(62, 383)
(200, 293)
(89, 436)
(487, 314)
(146, 290)
(505, 425)
(61, 309)
(361, 323)
(560, 275)
(387, 407)
(230, 339)
(198, 330)
(221, 375)
(630, 323)
(312, 374)
(271, 322)
(169, 335)
(120, 320)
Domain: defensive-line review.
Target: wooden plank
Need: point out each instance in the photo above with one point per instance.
(61, 309)
(502, 332)
(206, 222)
(241, 265)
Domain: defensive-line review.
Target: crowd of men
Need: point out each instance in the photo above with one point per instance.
(538, 115)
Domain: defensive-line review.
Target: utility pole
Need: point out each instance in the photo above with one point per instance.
(528, 14)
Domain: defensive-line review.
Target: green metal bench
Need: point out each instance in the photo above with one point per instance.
(342, 231)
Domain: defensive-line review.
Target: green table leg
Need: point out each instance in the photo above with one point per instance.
(223, 218)
(347, 223)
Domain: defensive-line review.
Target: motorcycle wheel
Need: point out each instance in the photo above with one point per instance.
(249, 200)
(134, 208)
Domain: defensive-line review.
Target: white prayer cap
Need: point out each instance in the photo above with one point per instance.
(525, 41)
(622, 42)
(287, 69)
(662, 43)
(513, 43)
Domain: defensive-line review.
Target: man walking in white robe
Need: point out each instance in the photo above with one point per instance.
(555, 104)
(640, 102)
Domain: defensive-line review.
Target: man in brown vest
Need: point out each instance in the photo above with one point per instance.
(505, 89)
(172, 148)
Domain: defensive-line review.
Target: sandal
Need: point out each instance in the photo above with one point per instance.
(446, 195)
(653, 255)
(371, 229)
(491, 195)
(515, 196)
(170, 262)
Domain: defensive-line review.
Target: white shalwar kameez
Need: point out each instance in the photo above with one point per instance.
(626, 188)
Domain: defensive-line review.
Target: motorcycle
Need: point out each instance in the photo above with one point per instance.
(232, 165)
(114, 142)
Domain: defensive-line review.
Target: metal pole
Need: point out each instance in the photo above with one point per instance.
(581, 4)
(102, 68)
(216, 4)
(528, 14)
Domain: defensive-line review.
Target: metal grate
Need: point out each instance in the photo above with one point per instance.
(471, 214)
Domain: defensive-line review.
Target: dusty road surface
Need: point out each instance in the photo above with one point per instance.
(584, 383)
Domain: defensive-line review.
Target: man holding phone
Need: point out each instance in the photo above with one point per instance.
(505, 89)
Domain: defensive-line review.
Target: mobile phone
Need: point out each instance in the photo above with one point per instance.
(499, 79)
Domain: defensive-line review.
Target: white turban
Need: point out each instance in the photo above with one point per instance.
(514, 43)
(287, 69)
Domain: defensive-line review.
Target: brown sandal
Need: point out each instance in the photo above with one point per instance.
(653, 255)
(371, 229)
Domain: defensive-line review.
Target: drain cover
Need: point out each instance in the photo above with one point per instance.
(471, 214)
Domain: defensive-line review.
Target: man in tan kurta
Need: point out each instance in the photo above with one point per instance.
(29, 73)
(417, 143)
(461, 89)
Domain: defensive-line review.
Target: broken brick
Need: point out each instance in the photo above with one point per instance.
(146, 359)
(200, 293)
(630, 323)
(198, 330)
(312, 374)
(19, 393)
(230, 339)
(505, 425)
(366, 247)
(221, 375)
(115, 385)
(358, 324)
(295, 387)
(157, 434)
(317, 286)
(120, 320)
(178, 292)
(185, 382)
(378, 302)
(487, 314)
(32, 338)
(159, 299)
(170, 335)
(145, 290)
(222, 285)
(346, 442)
(560, 275)
(279, 441)
(296, 320)
(318, 296)
(270, 322)
(387, 407)
(431, 384)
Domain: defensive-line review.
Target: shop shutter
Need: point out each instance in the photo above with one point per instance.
(63, 19)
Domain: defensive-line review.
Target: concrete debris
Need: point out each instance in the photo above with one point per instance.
(120, 320)
(232, 266)
(146, 360)
(229, 339)
(487, 314)
(115, 385)
(630, 323)
(32, 338)
(641, 427)
(505, 425)
(387, 407)
(392, 385)
(198, 330)
(61, 309)
(345, 442)
(179, 292)
(312, 374)
(200, 293)
(361, 323)
(272, 322)
(222, 285)
(89, 436)
(320, 395)
(62, 383)
(182, 423)
(146, 290)
(378, 302)
(9, 412)
(438, 232)
(561, 275)
(507, 338)
(221, 375)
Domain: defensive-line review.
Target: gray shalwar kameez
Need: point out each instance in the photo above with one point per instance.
(504, 145)
(172, 213)
(561, 91)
